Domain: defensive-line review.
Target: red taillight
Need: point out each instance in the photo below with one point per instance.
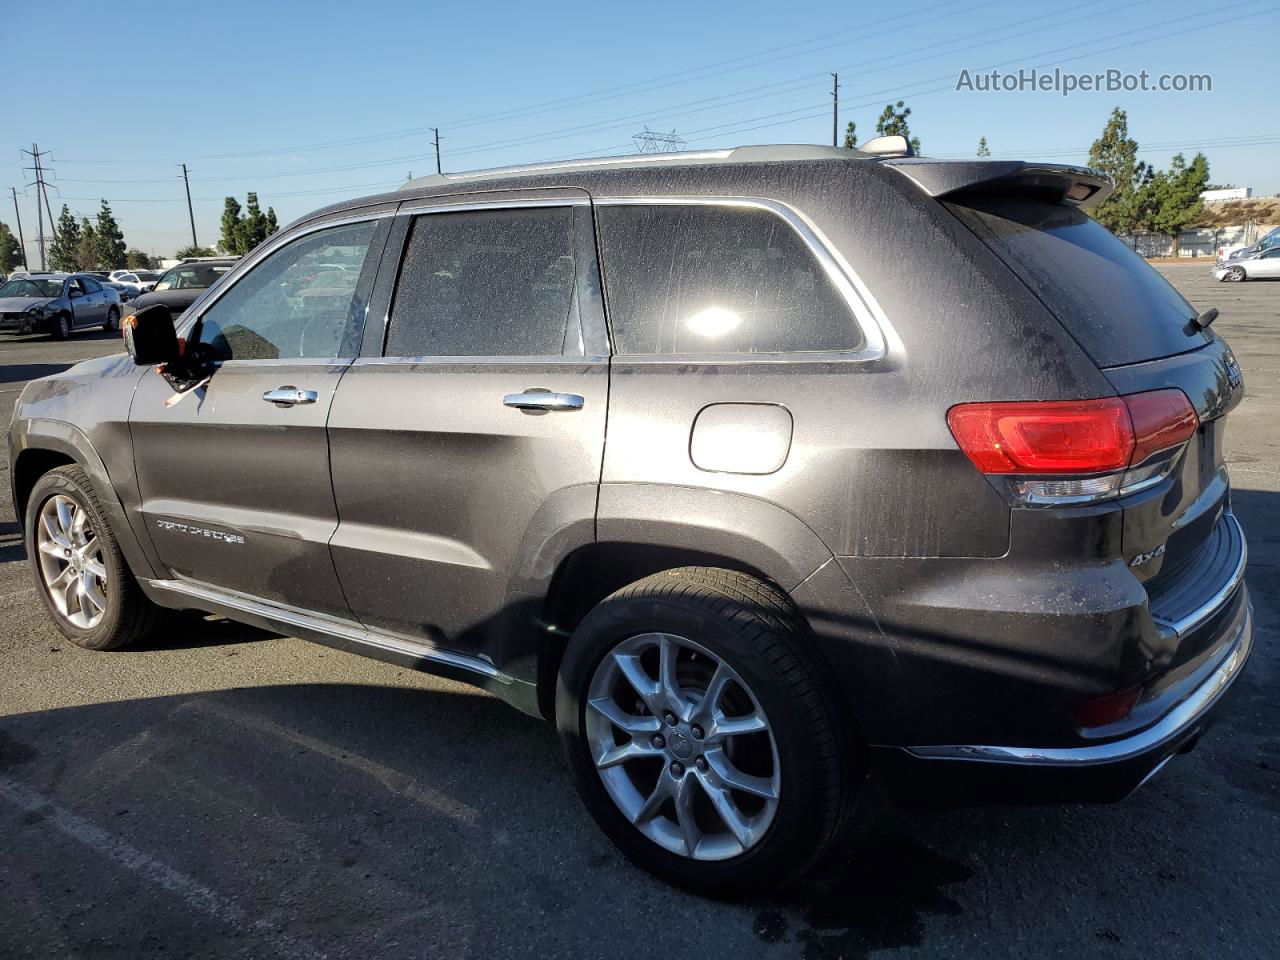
(1071, 437)
(1101, 711)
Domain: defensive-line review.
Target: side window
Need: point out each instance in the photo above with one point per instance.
(90, 286)
(487, 283)
(301, 301)
(702, 278)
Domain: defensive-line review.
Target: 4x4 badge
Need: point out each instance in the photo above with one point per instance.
(1142, 558)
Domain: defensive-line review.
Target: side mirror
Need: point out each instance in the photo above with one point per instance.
(149, 336)
(75, 292)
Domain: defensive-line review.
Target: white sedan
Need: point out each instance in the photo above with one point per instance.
(1264, 264)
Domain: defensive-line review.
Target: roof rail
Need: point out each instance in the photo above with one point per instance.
(747, 154)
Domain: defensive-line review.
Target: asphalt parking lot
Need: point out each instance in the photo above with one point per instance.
(228, 793)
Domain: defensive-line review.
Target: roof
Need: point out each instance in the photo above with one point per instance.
(751, 154)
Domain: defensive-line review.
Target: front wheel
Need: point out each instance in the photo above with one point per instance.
(113, 320)
(61, 327)
(1234, 275)
(701, 732)
(79, 571)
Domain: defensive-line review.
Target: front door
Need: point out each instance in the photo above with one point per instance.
(478, 430)
(86, 307)
(234, 478)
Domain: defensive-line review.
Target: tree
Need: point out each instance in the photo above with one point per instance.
(193, 251)
(1170, 200)
(850, 136)
(111, 247)
(983, 150)
(273, 225)
(893, 122)
(1115, 153)
(231, 220)
(135, 259)
(10, 249)
(253, 229)
(66, 241)
(87, 247)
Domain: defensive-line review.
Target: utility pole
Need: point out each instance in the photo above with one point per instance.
(22, 244)
(41, 190)
(436, 130)
(190, 212)
(835, 109)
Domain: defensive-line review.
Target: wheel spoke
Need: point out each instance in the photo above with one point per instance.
(631, 750)
(71, 595)
(51, 548)
(627, 722)
(66, 516)
(684, 794)
(752, 722)
(97, 568)
(727, 810)
(729, 775)
(52, 530)
(643, 684)
(677, 703)
(653, 803)
(89, 547)
(78, 520)
(707, 709)
(89, 591)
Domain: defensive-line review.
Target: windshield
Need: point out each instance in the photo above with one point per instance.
(191, 277)
(31, 287)
(146, 276)
(1114, 303)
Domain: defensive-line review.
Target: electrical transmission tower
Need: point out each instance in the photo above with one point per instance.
(35, 153)
(650, 141)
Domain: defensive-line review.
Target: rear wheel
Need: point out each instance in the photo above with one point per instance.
(701, 733)
(79, 571)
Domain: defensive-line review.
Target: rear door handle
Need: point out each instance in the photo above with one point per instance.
(289, 396)
(543, 400)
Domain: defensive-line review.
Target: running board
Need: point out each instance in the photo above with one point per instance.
(343, 635)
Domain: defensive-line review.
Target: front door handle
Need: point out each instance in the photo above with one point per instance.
(543, 400)
(289, 396)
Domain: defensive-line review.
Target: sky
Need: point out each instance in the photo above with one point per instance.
(309, 105)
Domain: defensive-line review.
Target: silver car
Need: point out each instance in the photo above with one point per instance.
(1263, 264)
(57, 304)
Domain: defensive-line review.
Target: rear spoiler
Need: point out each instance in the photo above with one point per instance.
(1060, 182)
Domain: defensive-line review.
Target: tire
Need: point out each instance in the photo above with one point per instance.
(801, 771)
(61, 329)
(124, 614)
(112, 323)
(1234, 275)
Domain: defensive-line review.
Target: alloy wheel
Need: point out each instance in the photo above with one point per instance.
(1235, 274)
(71, 562)
(683, 746)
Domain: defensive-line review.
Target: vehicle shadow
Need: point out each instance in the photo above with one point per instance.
(21, 372)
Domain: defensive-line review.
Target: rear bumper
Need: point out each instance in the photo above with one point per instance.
(1110, 770)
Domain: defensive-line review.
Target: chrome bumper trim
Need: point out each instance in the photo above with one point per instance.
(1167, 729)
(338, 629)
(1220, 596)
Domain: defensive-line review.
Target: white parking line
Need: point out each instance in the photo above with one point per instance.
(195, 894)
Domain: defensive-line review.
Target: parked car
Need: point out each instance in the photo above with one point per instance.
(1271, 239)
(144, 280)
(58, 304)
(1263, 264)
(180, 286)
(680, 453)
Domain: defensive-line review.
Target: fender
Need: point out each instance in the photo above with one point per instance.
(68, 440)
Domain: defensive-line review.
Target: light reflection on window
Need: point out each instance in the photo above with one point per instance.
(713, 322)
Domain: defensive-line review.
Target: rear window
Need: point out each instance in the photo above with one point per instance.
(1117, 306)
(708, 279)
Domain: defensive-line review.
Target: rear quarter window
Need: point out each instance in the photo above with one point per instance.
(1115, 304)
(710, 279)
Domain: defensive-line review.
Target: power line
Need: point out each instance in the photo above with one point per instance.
(186, 181)
(35, 153)
(17, 215)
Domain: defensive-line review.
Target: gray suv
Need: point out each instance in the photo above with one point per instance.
(753, 470)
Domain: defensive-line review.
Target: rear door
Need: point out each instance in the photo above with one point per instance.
(473, 426)
(234, 479)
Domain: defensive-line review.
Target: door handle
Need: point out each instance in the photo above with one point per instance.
(289, 396)
(543, 400)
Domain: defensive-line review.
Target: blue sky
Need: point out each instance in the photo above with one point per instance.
(309, 105)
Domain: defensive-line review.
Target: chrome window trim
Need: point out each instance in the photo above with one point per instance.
(412, 208)
(247, 264)
(1164, 732)
(556, 359)
(878, 336)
